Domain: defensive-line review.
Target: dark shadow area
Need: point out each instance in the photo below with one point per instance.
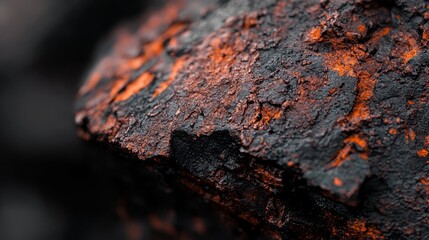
(53, 185)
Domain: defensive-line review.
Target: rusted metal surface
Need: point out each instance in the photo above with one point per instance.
(309, 118)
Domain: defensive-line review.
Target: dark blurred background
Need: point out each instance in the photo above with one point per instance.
(52, 184)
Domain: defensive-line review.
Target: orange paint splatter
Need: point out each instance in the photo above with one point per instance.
(423, 153)
(140, 83)
(177, 66)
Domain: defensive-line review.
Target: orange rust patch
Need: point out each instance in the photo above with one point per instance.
(341, 156)
(338, 182)
(393, 131)
(427, 141)
(357, 140)
(425, 34)
(140, 83)
(425, 183)
(348, 149)
(423, 153)
(270, 113)
(362, 28)
(120, 65)
(315, 34)
(347, 62)
(165, 15)
(156, 47)
(117, 86)
(379, 34)
(177, 66)
(91, 83)
(410, 135)
(221, 54)
(342, 61)
(251, 20)
(280, 8)
(360, 228)
(411, 50)
(361, 111)
(268, 178)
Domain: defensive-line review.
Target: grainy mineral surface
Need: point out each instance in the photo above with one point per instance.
(308, 118)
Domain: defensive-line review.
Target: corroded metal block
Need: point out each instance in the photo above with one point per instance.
(309, 118)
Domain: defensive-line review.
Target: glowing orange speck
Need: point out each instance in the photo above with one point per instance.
(427, 140)
(423, 153)
(140, 83)
(338, 182)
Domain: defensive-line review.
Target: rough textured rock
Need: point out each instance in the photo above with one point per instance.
(308, 118)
